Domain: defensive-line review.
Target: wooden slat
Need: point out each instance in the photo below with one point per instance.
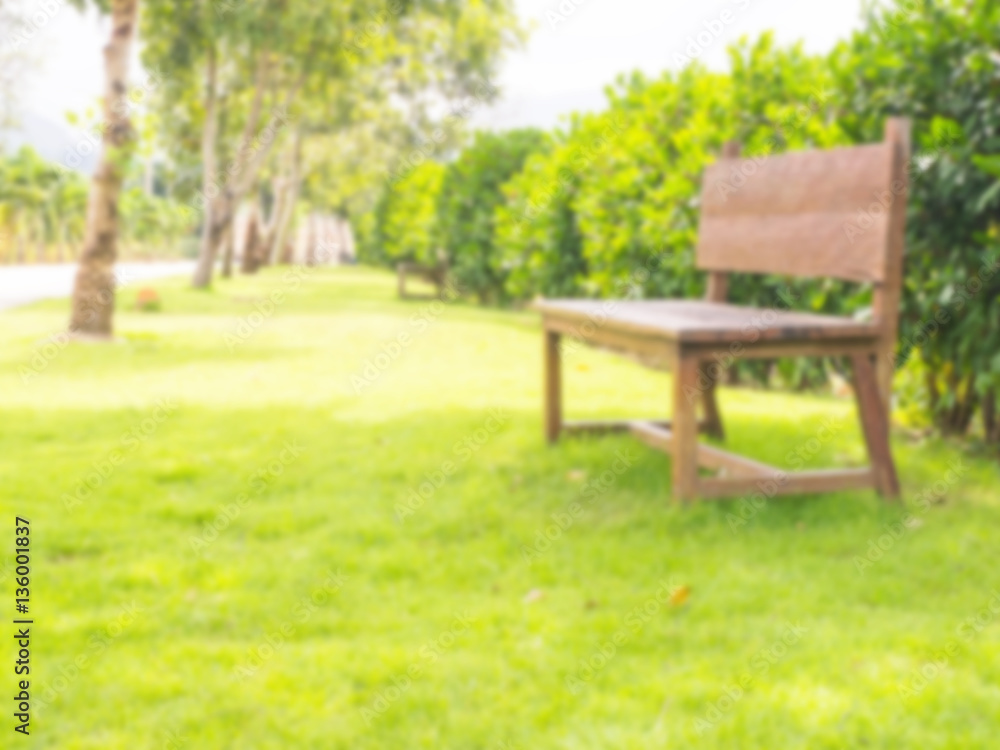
(655, 436)
(644, 326)
(710, 457)
(685, 432)
(710, 403)
(839, 180)
(603, 426)
(793, 348)
(874, 423)
(886, 296)
(790, 214)
(805, 482)
(553, 386)
(810, 245)
(610, 335)
(718, 291)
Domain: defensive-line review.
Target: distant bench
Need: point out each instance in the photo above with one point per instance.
(434, 275)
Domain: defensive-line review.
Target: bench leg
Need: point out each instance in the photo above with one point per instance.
(685, 422)
(553, 386)
(873, 412)
(713, 418)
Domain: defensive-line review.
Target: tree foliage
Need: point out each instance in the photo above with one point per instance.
(471, 192)
(407, 219)
(939, 64)
(43, 208)
(610, 205)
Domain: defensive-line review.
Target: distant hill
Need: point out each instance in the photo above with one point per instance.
(54, 141)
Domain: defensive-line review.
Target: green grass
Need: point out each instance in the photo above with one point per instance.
(164, 674)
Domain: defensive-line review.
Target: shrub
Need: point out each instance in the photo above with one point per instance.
(469, 197)
(407, 216)
(936, 62)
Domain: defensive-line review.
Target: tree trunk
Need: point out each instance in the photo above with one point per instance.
(270, 228)
(210, 229)
(61, 243)
(251, 245)
(956, 418)
(991, 422)
(229, 249)
(246, 166)
(292, 185)
(93, 293)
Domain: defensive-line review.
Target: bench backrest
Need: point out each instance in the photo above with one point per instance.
(835, 213)
(839, 213)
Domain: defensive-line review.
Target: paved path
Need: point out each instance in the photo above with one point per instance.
(20, 285)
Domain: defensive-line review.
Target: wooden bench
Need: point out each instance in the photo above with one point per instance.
(435, 275)
(795, 214)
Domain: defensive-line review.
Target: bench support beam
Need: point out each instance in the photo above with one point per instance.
(738, 475)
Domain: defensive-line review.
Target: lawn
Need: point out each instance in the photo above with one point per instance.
(335, 524)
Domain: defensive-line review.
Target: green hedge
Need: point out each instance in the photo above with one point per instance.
(609, 206)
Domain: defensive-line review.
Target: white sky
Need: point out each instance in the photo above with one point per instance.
(563, 68)
(567, 65)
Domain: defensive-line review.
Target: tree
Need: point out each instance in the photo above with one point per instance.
(938, 63)
(471, 192)
(407, 219)
(93, 291)
(244, 77)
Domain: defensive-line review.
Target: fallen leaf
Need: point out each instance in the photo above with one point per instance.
(591, 604)
(535, 595)
(679, 596)
(576, 475)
